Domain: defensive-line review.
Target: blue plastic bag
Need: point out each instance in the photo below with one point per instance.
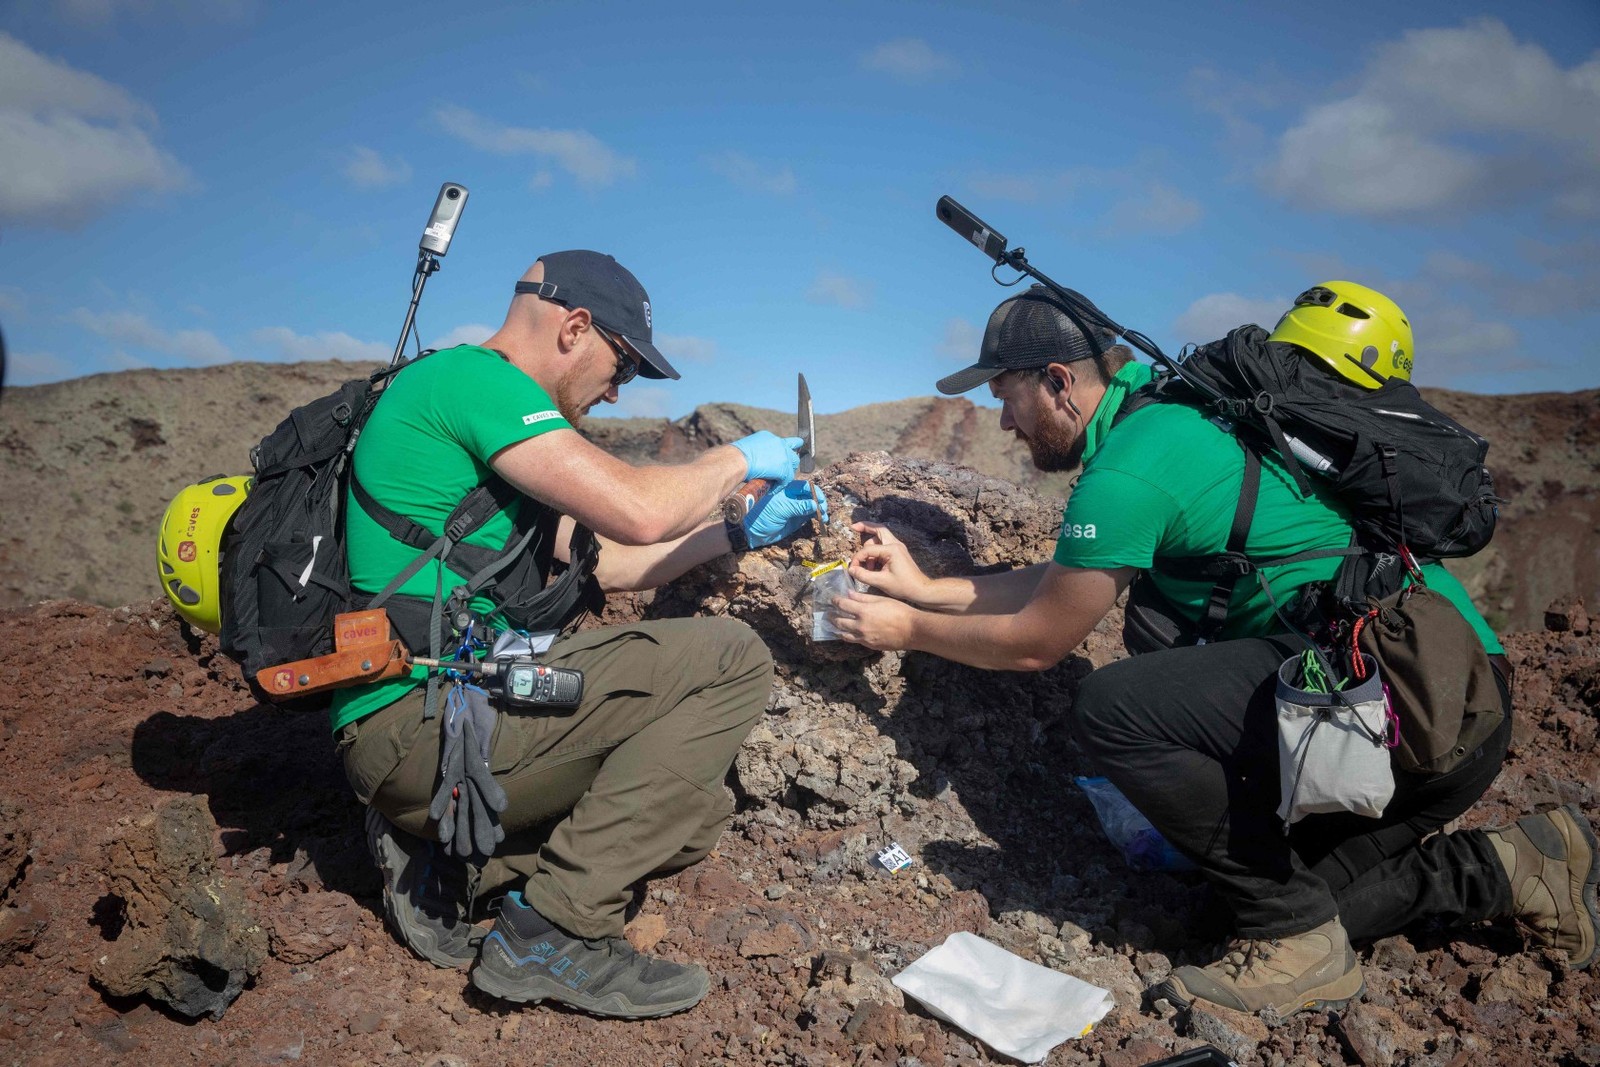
(1142, 846)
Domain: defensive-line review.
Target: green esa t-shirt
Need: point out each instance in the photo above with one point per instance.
(1164, 483)
(425, 446)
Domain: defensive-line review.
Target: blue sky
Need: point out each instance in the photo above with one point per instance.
(184, 182)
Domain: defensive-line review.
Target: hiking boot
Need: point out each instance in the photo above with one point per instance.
(528, 959)
(1552, 862)
(1274, 977)
(425, 894)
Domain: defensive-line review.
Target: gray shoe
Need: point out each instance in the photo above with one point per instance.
(1553, 863)
(526, 959)
(1274, 977)
(426, 894)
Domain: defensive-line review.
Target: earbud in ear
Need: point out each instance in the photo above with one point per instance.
(1056, 384)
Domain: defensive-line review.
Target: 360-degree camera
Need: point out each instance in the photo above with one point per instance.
(442, 223)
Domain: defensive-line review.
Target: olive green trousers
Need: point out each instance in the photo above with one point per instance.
(632, 779)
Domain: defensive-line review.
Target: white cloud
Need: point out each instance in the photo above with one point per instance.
(1445, 120)
(132, 328)
(840, 290)
(640, 402)
(1237, 100)
(960, 342)
(578, 152)
(681, 348)
(1563, 281)
(1214, 314)
(910, 59)
(746, 173)
(1158, 209)
(36, 368)
(71, 143)
(364, 168)
(469, 333)
(335, 344)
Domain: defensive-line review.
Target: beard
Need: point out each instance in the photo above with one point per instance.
(1054, 448)
(569, 397)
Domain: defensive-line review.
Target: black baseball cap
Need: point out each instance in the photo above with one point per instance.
(1032, 329)
(613, 296)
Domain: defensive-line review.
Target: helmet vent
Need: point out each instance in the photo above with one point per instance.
(1317, 294)
(1353, 311)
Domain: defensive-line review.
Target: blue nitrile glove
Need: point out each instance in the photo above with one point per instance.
(469, 800)
(783, 511)
(766, 455)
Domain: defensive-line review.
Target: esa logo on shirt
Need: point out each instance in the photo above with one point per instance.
(1084, 530)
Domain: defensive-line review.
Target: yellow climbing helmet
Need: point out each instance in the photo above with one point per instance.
(1358, 332)
(189, 548)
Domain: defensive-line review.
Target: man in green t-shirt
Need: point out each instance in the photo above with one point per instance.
(1187, 731)
(577, 805)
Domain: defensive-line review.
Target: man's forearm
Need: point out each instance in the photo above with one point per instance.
(984, 594)
(1003, 642)
(628, 568)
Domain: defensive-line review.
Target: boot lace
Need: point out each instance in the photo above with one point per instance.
(1243, 955)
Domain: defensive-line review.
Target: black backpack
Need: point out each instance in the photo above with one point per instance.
(284, 570)
(1413, 479)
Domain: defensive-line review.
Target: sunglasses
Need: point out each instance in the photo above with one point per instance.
(627, 366)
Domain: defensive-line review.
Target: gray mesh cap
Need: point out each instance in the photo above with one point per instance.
(1031, 329)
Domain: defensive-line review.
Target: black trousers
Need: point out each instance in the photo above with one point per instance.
(1190, 737)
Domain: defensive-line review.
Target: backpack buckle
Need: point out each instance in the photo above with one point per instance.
(1230, 565)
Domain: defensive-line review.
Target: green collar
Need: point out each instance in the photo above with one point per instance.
(1129, 378)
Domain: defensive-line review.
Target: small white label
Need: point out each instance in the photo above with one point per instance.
(980, 237)
(894, 858)
(316, 546)
(539, 416)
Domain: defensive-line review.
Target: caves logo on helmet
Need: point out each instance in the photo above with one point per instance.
(1358, 332)
(189, 548)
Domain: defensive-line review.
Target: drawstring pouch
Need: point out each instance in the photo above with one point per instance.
(1333, 743)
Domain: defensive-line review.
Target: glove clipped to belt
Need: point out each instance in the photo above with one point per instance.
(469, 801)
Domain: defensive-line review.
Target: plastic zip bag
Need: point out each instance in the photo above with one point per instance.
(828, 583)
(1142, 846)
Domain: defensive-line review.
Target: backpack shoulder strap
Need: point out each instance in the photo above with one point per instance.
(1233, 560)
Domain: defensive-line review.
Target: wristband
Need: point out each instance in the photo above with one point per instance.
(737, 538)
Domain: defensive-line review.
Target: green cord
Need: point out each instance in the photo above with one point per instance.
(1313, 678)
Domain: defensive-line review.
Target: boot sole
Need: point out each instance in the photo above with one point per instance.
(1587, 894)
(535, 989)
(1272, 1016)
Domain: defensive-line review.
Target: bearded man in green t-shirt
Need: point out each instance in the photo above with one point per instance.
(1186, 731)
(576, 805)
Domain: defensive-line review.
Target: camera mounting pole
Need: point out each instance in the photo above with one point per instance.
(435, 242)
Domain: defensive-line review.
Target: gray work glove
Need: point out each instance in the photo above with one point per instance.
(469, 800)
